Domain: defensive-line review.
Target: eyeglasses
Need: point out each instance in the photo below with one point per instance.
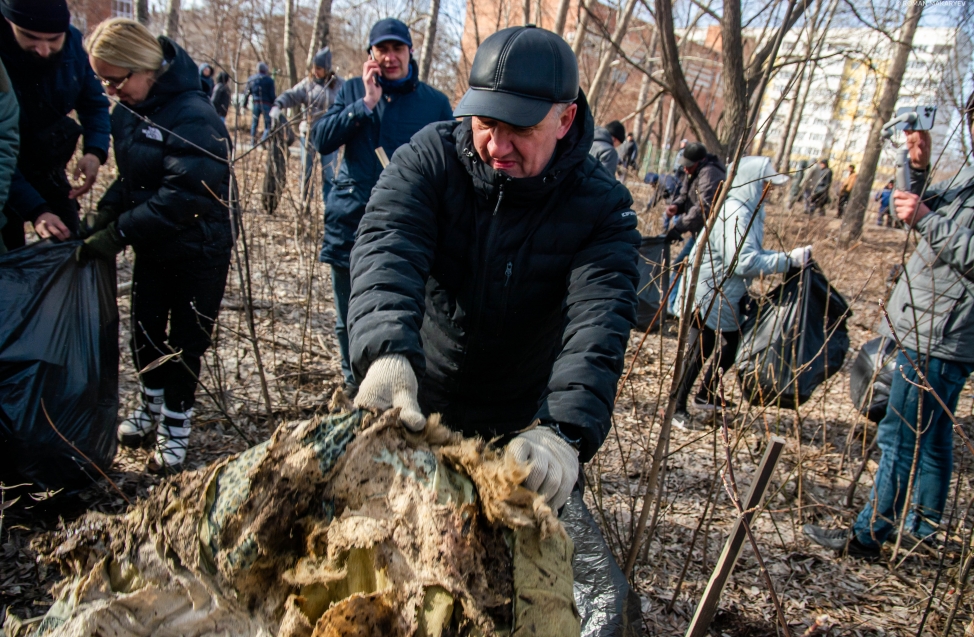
(115, 84)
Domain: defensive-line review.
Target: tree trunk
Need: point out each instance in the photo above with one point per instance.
(666, 143)
(292, 69)
(172, 20)
(680, 91)
(786, 131)
(637, 127)
(319, 38)
(579, 40)
(561, 17)
(527, 11)
(735, 88)
(605, 64)
(429, 40)
(859, 198)
(142, 12)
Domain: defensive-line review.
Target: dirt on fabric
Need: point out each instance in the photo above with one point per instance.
(828, 443)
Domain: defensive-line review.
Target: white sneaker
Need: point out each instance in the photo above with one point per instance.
(172, 442)
(135, 430)
(682, 421)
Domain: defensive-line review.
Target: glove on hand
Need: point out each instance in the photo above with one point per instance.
(391, 382)
(104, 244)
(102, 218)
(799, 257)
(275, 114)
(552, 461)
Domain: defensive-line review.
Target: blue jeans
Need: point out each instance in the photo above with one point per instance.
(258, 111)
(896, 438)
(341, 285)
(671, 307)
(308, 155)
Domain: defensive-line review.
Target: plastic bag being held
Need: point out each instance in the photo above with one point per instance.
(871, 376)
(59, 353)
(793, 340)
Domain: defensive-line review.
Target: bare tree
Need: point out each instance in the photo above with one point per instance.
(142, 11)
(859, 198)
(527, 11)
(320, 37)
(561, 17)
(581, 27)
(429, 41)
(292, 69)
(622, 24)
(172, 20)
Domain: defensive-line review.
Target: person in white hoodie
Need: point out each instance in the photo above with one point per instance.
(716, 305)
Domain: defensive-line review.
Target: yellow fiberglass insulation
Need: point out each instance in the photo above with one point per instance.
(342, 525)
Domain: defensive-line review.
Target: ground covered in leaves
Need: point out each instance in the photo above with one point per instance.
(289, 366)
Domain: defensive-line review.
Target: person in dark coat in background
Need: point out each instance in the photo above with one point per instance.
(9, 141)
(628, 152)
(222, 95)
(494, 278)
(604, 145)
(206, 78)
(261, 91)
(796, 181)
(51, 77)
(163, 205)
(883, 197)
(381, 109)
(815, 188)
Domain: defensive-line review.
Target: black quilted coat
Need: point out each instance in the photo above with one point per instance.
(171, 152)
(516, 296)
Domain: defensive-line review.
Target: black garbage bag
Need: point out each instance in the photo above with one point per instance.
(654, 281)
(608, 606)
(275, 170)
(793, 340)
(59, 353)
(871, 376)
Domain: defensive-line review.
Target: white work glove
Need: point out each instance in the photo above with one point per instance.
(391, 382)
(275, 113)
(799, 257)
(553, 464)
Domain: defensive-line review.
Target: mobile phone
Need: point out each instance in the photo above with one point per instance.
(375, 78)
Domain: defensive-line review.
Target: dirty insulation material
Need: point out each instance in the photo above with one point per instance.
(340, 525)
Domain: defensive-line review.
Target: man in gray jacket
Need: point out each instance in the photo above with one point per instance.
(931, 310)
(604, 145)
(316, 93)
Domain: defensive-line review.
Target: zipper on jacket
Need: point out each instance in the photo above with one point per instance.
(500, 197)
(507, 274)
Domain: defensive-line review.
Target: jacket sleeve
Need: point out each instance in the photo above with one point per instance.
(341, 121)
(610, 159)
(9, 136)
(393, 256)
(752, 260)
(190, 177)
(294, 96)
(600, 311)
(92, 109)
(951, 242)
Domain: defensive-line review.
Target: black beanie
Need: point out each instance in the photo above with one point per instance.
(42, 16)
(617, 130)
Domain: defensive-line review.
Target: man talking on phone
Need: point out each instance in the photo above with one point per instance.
(372, 116)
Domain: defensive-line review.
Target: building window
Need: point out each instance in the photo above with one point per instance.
(121, 8)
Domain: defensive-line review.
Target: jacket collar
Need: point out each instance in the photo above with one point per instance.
(570, 152)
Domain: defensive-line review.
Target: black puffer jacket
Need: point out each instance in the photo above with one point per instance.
(515, 295)
(696, 195)
(168, 168)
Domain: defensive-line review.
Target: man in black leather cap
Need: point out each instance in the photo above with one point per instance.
(494, 281)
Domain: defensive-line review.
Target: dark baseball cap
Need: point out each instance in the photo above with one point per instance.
(692, 153)
(389, 29)
(518, 73)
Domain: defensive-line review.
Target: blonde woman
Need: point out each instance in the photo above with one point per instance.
(170, 152)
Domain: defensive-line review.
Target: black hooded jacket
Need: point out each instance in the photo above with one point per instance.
(170, 152)
(696, 195)
(516, 296)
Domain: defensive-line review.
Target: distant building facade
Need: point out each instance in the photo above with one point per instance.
(86, 14)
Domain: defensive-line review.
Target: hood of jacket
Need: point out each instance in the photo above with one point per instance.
(179, 74)
(749, 181)
(570, 151)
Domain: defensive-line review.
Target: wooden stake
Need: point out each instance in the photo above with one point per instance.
(707, 607)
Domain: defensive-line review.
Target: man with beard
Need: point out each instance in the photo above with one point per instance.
(51, 76)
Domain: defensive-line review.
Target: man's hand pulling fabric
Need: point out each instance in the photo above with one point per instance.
(391, 382)
(553, 464)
